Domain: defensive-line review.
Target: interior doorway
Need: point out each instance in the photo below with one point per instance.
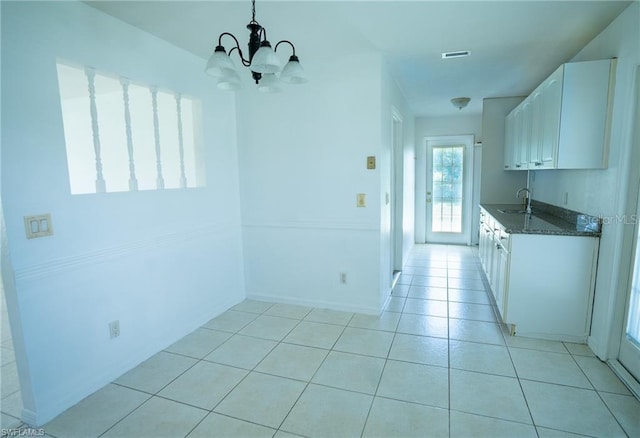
(395, 200)
(449, 189)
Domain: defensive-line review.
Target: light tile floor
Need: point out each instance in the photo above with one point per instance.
(436, 363)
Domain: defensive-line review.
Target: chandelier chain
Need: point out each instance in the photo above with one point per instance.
(253, 11)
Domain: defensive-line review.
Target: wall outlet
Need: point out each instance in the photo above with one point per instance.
(114, 329)
(343, 277)
(361, 200)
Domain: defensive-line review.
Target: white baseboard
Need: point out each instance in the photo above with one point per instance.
(313, 303)
(64, 398)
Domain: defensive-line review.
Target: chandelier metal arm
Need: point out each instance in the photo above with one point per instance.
(245, 62)
(293, 48)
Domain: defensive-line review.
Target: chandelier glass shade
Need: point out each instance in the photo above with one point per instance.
(266, 68)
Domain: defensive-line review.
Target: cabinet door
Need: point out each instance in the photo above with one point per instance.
(552, 101)
(503, 285)
(485, 243)
(482, 246)
(518, 129)
(535, 144)
(525, 134)
(481, 236)
(509, 142)
(585, 114)
(495, 267)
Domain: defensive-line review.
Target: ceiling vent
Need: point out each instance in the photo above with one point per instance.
(456, 54)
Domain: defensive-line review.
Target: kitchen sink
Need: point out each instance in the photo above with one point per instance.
(511, 211)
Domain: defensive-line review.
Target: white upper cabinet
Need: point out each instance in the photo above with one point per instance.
(525, 133)
(564, 123)
(509, 143)
(537, 128)
(551, 105)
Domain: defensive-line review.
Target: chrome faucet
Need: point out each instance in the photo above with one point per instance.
(524, 189)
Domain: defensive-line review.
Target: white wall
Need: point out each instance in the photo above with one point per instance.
(303, 160)
(160, 262)
(439, 126)
(604, 192)
(498, 186)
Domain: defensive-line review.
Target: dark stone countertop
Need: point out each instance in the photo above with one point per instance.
(545, 219)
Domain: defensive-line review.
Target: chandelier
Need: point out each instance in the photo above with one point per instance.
(262, 61)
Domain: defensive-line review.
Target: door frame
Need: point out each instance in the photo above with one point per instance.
(467, 205)
(396, 189)
(619, 321)
(632, 381)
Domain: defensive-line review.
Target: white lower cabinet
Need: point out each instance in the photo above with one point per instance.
(542, 284)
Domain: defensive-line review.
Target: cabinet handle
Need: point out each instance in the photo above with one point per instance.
(538, 163)
(517, 165)
(506, 167)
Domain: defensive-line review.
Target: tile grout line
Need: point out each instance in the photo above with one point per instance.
(506, 344)
(156, 394)
(314, 374)
(386, 360)
(331, 349)
(597, 392)
(241, 380)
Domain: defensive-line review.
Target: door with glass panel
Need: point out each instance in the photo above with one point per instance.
(448, 203)
(629, 355)
(629, 352)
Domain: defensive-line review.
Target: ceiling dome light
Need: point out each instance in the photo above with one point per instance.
(460, 102)
(262, 60)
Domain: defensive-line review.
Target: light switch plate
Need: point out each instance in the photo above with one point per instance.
(38, 225)
(361, 200)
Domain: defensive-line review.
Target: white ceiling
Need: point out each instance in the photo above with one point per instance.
(514, 44)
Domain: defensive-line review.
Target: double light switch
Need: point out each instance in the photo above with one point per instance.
(38, 225)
